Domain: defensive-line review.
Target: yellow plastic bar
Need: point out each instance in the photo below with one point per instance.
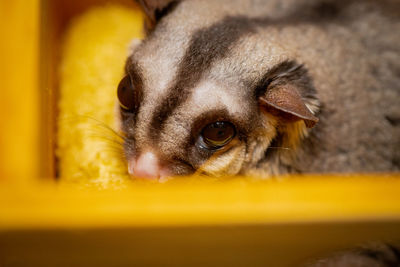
(191, 202)
(19, 94)
(235, 222)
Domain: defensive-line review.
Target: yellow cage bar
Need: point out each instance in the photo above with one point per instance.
(235, 222)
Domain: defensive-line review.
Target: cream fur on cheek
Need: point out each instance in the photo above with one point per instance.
(229, 162)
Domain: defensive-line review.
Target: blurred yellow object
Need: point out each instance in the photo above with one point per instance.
(19, 92)
(202, 201)
(236, 222)
(93, 56)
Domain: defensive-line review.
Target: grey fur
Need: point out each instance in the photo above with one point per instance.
(350, 50)
(368, 255)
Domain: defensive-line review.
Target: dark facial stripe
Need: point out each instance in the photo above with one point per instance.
(207, 46)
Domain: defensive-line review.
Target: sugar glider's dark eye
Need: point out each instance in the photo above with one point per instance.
(217, 134)
(126, 94)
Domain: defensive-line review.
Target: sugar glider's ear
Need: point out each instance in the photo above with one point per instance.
(285, 101)
(290, 95)
(156, 9)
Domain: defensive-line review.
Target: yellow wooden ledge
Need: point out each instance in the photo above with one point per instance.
(235, 222)
(190, 202)
(19, 95)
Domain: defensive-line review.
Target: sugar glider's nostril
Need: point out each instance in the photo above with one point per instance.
(145, 166)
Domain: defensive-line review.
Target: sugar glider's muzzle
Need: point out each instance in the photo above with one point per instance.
(147, 166)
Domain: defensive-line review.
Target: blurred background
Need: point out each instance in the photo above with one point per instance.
(31, 34)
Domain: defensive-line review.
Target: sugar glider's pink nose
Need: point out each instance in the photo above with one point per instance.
(147, 166)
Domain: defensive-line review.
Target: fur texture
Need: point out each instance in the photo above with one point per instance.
(207, 61)
(369, 255)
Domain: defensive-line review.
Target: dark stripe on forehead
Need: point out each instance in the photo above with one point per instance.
(206, 46)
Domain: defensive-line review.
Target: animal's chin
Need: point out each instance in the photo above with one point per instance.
(162, 175)
(150, 165)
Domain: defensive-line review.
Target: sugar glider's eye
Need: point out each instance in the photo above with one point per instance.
(217, 134)
(126, 94)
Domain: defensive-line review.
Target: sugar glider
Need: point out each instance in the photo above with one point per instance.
(263, 87)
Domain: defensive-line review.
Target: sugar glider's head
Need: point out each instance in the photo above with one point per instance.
(208, 93)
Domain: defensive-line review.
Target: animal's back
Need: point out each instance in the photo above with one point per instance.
(356, 73)
(352, 52)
